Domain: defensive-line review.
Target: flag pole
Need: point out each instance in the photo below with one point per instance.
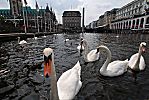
(41, 17)
(24, 20)
(45, 21)
(37, 8)
(14, 20)
(37, 22)
(26, 17)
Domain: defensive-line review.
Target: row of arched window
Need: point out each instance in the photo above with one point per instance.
(130, 24)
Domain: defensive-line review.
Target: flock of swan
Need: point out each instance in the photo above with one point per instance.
(21, 42)
(118, 67)
(69, 83)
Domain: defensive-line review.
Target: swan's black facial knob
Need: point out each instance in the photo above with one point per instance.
(81, 43)
(47, 76)
(97, 50)
(46, 59)
(81, 50)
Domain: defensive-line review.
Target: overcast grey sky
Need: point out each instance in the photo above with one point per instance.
(93, 8)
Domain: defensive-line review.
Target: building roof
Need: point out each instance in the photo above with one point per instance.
(113, 11)
(71, 13)
(31, 12)
(128, 4)
(5, 12)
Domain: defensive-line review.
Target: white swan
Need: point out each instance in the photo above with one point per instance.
(91, 56)
(136, 62)
(21, 42)
(66, 40)
(81, 47)
(44, 36)
(69, 82)
(35, 37)
(114, 68)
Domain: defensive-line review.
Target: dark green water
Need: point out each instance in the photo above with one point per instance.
(29, 82)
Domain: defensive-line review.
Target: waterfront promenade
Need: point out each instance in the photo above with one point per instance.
(11, 36)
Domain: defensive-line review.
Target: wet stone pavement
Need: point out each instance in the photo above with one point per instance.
(24, 78)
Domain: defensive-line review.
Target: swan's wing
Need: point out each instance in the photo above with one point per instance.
(69, 83)
(142, 63)
(79, 47)
(92, 55)
(77, 67)
(133, 60)
(23, 42)
(116, 68)
(79, 84)
(78, 87)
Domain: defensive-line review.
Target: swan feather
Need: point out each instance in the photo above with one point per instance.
(133, 60)
(23, 42)
(69, 83)
(93, 55)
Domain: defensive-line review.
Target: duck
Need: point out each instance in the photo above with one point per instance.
(69, 83)
(112, 69)
(137, 62)
(21, 42)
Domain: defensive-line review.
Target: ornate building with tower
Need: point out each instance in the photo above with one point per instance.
(44, 19)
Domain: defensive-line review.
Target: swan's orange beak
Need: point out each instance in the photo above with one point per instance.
(47, 67)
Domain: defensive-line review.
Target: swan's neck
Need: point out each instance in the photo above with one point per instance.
(136, 66)
(85, 51)
(54, 91)
(108, 60)
(18, 40)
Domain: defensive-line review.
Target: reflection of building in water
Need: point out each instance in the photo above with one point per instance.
(134, 15)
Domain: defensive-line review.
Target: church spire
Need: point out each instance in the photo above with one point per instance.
(47, 8)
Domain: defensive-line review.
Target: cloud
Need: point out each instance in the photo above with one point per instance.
(93, 8)
(4, 4)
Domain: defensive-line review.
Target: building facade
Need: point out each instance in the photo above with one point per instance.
(46, 19)
(105, 20)
(136, 7)
(134, 15)
(100, 22)
(71, 20)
